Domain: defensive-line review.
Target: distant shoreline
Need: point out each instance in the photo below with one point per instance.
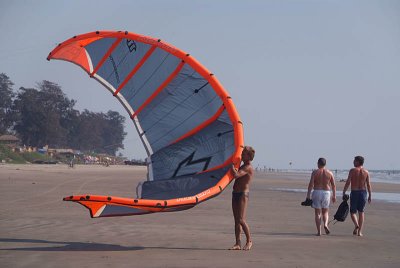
(377, 176)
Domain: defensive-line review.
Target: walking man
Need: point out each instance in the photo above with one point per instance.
(360, 183)
(321, 181)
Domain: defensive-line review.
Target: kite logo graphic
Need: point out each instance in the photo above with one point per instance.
(131, 45)
(190, 162)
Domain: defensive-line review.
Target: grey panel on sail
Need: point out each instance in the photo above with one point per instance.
(182, 186)
(210, 147)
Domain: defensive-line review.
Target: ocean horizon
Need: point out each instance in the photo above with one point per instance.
(379, 175)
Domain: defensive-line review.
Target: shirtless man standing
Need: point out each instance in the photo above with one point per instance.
(359, 180)
(321, 181)
(240, 196)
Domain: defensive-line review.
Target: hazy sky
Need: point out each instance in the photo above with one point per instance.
(309, 78)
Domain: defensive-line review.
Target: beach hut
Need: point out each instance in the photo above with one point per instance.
(9, 140)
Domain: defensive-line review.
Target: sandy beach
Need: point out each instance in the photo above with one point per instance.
(38, 229)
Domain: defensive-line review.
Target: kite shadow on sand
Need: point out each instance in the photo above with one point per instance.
(80, 246)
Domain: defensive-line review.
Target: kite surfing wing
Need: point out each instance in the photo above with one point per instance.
(186, 121)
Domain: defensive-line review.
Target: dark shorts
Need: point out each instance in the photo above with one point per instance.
(238, 195)
(358, 199)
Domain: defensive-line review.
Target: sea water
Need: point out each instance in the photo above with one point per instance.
(384, 176)
(387, 197)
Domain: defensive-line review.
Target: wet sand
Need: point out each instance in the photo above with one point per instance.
(38, 229)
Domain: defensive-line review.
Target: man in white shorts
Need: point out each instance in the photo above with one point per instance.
(321, 181)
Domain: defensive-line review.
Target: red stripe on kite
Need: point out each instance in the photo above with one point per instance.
(202, 125)
(103, 59)
(137, 67)
(160, 88)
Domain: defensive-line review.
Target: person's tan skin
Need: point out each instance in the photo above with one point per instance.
(359, 180)
(242, 177)
(322, 179)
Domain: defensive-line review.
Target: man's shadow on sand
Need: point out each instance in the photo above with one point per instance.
(80, 246)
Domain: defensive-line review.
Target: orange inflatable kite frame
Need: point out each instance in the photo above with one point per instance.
(73, 50)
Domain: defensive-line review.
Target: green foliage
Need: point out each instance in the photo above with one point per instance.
(44, 115)
(9, 156)
(6, 98)
(100, 133)
(32, 156)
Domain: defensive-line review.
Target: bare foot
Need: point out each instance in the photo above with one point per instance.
(235, 247)
(327, 231)
(355, 232)
(248, 245)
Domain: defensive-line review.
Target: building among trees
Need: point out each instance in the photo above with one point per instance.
(9, 140)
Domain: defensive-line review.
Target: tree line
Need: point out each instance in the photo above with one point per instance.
(44, 115)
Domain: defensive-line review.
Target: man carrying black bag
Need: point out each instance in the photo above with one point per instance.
(360, 183)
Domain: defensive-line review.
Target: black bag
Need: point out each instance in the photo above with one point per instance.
(343, 210)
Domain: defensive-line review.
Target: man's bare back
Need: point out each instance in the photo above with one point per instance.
(358, 177)
(322, 179)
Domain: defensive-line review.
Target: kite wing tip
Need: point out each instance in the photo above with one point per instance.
(68, 198)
